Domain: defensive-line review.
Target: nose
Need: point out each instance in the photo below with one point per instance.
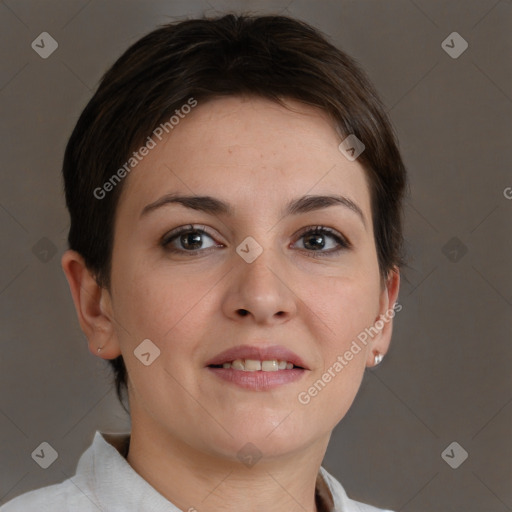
(260, 291)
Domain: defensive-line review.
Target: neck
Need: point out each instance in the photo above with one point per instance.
(194, 480)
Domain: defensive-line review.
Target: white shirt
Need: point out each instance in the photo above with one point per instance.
(105, 482)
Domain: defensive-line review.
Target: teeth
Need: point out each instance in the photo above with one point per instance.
(253, 365)
(238, 364)
(269, 366)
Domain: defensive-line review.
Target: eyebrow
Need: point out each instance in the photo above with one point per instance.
(215, 206)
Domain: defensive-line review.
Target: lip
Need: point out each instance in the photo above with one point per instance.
(260, 353)
(257, 380)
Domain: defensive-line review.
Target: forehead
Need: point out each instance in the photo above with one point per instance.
(247, 151)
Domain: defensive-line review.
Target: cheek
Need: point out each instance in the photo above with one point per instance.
(345, 306)
(154, 303)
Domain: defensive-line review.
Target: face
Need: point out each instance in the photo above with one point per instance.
(255, 274)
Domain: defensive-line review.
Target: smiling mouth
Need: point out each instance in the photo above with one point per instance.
(255, 365)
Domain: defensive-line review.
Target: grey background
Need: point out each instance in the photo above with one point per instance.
(447, 375)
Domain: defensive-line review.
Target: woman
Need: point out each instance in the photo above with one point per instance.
(235, 192)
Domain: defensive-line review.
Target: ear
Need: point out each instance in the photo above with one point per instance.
(93, 306)
(383, 324)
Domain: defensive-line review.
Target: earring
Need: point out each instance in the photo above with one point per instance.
(378, 359)
(99, 349)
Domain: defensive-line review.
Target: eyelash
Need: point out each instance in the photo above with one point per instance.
(341, 240)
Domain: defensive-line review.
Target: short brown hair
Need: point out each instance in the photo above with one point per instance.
(274, 57)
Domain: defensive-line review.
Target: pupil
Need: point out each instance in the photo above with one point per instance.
(188, 236)
(319, 243)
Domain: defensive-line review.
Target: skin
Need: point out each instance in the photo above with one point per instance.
(187, 425)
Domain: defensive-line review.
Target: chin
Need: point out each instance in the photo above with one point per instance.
(262, 440)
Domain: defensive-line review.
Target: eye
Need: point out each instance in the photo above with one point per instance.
(188, 238)
(314, 240)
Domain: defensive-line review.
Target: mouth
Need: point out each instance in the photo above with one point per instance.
(253, 358)
(257, 368)
(255, 365)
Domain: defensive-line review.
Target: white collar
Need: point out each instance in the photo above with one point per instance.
(111, 481)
